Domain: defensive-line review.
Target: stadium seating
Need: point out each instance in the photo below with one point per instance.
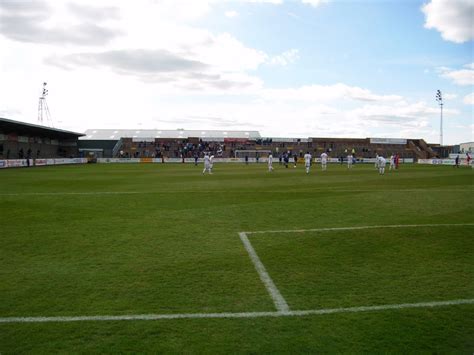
(336, 147)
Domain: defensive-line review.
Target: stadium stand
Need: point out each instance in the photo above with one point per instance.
(186, 143)
(168, 143)
(19, 140)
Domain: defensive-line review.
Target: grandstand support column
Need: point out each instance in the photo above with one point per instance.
(439, 98)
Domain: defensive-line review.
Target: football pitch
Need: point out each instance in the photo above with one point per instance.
(160, 258)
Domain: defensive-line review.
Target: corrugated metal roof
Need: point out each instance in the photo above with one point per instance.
(116, 134)
(7, 125)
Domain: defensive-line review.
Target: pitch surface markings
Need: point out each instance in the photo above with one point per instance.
(237, 315)
(276, 296)
(362, 227)
(322, 189)
(280, 303)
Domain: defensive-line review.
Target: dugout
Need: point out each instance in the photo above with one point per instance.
(20, 139)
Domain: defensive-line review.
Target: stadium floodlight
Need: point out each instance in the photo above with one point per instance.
(439, 98)
(43, 109)
(45, 91)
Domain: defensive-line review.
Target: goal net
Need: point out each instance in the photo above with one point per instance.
(252, 153)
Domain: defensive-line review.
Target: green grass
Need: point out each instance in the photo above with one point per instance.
(369, 267)
(171, 246)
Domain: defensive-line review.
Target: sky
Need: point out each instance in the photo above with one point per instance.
(286, 68)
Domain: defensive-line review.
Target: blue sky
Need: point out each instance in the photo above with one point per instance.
(286, 68)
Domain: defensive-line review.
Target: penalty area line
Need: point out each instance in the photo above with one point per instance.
(237, 315)
(361, 227)
(276, 296)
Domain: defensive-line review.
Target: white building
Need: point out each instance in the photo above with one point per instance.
(466, 147)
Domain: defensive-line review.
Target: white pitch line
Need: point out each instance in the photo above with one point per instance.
(361, 227)
(236, 315)
(92, 193)
(75, 193)
(276, 296)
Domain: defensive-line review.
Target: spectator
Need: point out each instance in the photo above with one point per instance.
(28, 157)
(286, 159)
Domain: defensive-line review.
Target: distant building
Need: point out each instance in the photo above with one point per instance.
(467, 147)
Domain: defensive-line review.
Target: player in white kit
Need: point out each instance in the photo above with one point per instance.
(381, 164)
(270, 162)
(207, 164)
(307, 161)
(349, 161)
(324, 160)
(211, 163)
(392, 162)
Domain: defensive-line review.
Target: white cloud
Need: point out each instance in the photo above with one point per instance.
(469, 99)
(231, 13)
(176, 10)
(192, 57)
(10, 113)
(307, 112)
(314, 3)
(313, 119)
(449, 96)
(292, 14)
(415, 115)
(460, 76)
(226, 53)
(71, 24)
(324, 93)
(274, 2)
(165, 68)
(454, 19)
(285, 58)
(187, 75)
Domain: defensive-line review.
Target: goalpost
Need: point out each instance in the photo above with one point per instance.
(252, 153)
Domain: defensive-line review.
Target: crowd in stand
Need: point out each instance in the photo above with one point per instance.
(176, 149)
(194, 147)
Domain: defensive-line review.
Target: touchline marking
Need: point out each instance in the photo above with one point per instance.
(322, 189)
(75, 193)
(361, 227)
(276, 296)
(236, 315)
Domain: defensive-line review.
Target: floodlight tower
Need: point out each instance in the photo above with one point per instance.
(43, 109)
(439, 98)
